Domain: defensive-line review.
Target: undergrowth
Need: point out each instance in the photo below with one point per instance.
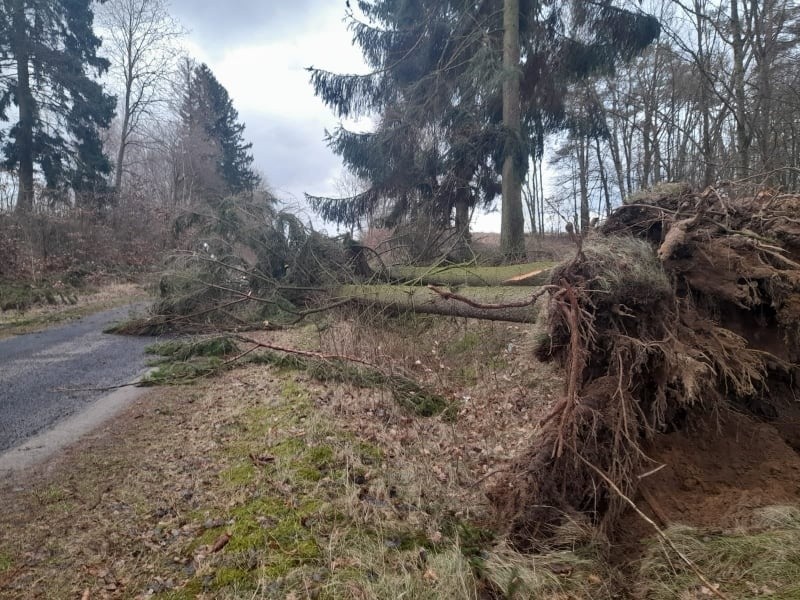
(312, 512)
(757, 562)
(182, 361)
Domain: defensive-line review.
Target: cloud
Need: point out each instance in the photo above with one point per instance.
(221, 25)
(266, 78)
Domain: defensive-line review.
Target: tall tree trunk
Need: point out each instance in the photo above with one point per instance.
(531, 195)
(582, 149)
(603, 176)
(512, 229)
(613, 146)
(705, 98)
(742, 136)
(123, 141)
(461, 250)
(24, 135)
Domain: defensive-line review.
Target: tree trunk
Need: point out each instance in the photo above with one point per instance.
(423, 300)
(527, 274)
(582, 148)
(512, 230)
(461, 251)
(23, 137)
(742, 136)
(123, 142)
(603, 176)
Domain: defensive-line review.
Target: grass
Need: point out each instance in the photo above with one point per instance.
(329, 489)
(762, 560)
(312, 509)
(299, 526)
(183, 361)
(22, 297)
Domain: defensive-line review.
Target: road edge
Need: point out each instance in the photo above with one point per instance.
(43, 446)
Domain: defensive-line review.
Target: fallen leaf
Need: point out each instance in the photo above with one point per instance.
(221, 542)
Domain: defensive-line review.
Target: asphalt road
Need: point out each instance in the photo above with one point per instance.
(37, 369)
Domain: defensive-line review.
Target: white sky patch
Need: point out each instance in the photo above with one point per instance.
(271, 90)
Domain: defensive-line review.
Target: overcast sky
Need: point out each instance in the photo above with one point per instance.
(259, 49)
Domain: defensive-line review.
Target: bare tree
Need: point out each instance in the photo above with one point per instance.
(142, 45)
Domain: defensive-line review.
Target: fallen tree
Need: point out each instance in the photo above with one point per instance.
(528, 274)
(680, 305)
(502, 303)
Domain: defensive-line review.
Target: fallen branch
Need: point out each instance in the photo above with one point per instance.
(298, 352)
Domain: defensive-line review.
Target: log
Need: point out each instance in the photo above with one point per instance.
(409, 298)
(528, 274)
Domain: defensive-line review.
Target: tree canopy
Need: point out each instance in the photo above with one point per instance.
(49, 64)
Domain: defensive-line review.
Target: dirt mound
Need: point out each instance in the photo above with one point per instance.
(681, 306)
(719, 471)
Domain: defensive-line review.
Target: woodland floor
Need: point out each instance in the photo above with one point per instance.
(262, 483)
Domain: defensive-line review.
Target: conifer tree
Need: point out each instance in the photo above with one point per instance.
(208, 112)
(48, 55)
(437, 85)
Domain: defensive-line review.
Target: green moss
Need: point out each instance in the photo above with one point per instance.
(240, 474)
(233, 577)
(6, 562)
(292, 391)
(369, 454)
(288, 448)
(320, 456)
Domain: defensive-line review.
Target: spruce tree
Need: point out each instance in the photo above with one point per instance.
(208, 112)
(437, 88)
(48, 56)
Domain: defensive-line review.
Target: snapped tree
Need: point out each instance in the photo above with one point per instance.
(464, 92)
(48, 55)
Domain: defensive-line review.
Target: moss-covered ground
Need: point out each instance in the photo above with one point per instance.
(269, 481)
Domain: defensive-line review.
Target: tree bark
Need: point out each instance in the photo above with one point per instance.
(24, 135)
(740, 113)
(512, 230)
(582, 151)
(523, 274)
(423, 300)
(123, 139)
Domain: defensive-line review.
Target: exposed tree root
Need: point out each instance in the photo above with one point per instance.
(678, 305)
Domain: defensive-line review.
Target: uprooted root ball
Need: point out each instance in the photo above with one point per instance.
(680, 305)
